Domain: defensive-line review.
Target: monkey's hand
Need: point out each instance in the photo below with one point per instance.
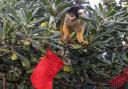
(65, 38)
(65, 34)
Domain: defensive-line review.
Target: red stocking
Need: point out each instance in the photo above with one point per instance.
(46, 70)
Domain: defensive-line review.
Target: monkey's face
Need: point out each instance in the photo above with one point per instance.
(77, 10)
(73, 14)
(72, 17)
(71, 20)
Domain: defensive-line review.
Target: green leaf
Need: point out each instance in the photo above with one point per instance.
(6, 28)
(12, 11)
(26, 63)
(14, 57)
(57, 2)
(59, 76)
(125, 58)
(11, 18)
(22, 15)
(63, 6)
(35, 11)
(76, 46)
(24, 60)
(101, 7)
(111, 12)
(72, 35)
(90, 8)
(67, 68)
(29, 16)
(36, 44)
(42, 50)
(86, 19)
(29, 71)
(51, 11)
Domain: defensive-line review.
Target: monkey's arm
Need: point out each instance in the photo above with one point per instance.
(80, 33)
(65, 33)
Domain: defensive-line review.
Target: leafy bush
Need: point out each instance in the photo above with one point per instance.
(28, 26)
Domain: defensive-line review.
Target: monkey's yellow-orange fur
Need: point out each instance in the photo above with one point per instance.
(69, 26)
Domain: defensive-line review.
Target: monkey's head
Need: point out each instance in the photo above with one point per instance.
(75, 12)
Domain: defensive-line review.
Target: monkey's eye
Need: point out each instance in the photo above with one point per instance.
(71, 15)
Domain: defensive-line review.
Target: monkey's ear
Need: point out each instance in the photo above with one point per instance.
(67, 14)
(81, 12)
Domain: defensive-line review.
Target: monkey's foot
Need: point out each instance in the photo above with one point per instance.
(65, 38)
(80, 41)
(85, 42)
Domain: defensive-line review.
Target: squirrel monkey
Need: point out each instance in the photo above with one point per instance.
(72, 23)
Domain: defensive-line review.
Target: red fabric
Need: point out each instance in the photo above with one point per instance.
(45, 71)
(120, 80)
(126, 71)
(123, 87)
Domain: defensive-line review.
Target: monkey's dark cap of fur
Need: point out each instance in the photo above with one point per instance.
(74, 10)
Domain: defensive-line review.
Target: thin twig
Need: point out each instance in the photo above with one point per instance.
(4, 81)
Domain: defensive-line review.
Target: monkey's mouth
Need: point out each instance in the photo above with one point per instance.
(72, 20)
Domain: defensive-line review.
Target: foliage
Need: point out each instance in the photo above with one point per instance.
(28, 26)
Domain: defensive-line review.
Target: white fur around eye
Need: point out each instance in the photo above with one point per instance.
(81, 11)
